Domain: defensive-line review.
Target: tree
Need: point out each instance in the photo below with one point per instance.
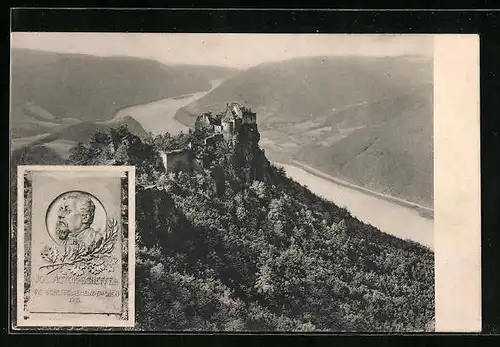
(99, 139)
(117, 134)
(80, 155)
(121, 155)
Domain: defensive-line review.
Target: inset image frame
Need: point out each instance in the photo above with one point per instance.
(74, 269)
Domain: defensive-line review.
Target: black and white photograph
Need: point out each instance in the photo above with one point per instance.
(283, 182)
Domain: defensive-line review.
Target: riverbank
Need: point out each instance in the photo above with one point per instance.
(423, 211)
(386, 215)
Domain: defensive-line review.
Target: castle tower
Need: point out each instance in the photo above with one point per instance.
(236, 110)
(163, 156)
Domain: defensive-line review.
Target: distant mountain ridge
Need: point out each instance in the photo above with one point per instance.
(325, 111)
(59, 99)
(296, 88)
(94, 88)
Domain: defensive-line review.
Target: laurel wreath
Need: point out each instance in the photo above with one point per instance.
(79, 258)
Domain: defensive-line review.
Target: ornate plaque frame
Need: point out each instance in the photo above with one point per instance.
(118, 236)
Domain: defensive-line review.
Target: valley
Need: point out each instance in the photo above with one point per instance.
(309, 209)
(75, 95)
(362, 148)
(398, 218)
(366, 120)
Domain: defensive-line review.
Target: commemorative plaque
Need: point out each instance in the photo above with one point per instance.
(76, 244)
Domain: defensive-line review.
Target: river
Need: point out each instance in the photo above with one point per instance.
(390, 217)
(158, 116)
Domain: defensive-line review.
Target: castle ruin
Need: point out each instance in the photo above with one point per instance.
(221, 127)
(227, 123)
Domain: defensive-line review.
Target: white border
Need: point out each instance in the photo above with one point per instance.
(76, 320)
(457, 180)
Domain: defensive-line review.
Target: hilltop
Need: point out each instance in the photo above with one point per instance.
(231, 243)
(367, 120)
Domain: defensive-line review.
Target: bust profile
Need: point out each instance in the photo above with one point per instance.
(75, 216)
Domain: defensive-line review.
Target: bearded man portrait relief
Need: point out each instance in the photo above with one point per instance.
(75, 216)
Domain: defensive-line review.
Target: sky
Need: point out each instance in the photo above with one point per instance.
(233, 50)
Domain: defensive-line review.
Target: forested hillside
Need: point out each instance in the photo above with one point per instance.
(233, 244)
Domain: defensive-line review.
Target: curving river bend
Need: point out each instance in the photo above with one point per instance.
(158, 116)
(392, 218)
